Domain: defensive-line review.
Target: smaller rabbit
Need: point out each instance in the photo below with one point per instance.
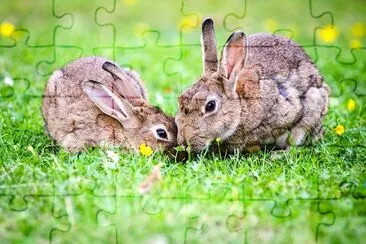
(92, 101)
(265, 90)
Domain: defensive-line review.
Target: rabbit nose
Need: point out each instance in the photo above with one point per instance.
(181, 139)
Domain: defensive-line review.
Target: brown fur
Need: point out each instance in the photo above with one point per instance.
(75, 122)
(268, 89)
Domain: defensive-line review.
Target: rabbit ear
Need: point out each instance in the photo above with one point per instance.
(209, 50)
(128, 85)
(111, 104)
(234, 56)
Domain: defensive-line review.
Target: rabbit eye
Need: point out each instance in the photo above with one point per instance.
(210, 106)
(162, 133)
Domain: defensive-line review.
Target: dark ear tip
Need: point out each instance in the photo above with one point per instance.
(236, 35)
(207, 22)
(107, 65)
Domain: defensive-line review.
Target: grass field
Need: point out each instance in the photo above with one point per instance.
(309, 194)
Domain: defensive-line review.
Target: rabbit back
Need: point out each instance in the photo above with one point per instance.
(279, 57)
(71, 118)
(294, 96)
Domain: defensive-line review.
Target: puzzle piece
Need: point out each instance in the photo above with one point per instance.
(344, 76)
(135, 40)
(136, 58)
(175, 66)
(21, 189)
(36, 183)
(212, 225)
(32, 42)
(26, 66)
(66, 49)
(75, 224)
(252, 11)
(131, 24)
(175, 211)
(36, 36)
(30, 18)
(115, 207)
(195, 11)
(347, 30)
(262, 227)
(289, 24)
(43, 217)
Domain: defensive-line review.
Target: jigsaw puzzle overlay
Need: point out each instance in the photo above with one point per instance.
(310, 194)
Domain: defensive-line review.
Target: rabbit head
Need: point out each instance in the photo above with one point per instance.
(126, 102)
(211, 108)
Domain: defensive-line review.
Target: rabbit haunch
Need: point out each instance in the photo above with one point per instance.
(265, 88)
(92, 101)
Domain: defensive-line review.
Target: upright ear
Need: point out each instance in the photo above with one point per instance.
(111, 104)
(128, 83)
(233, 57)
(209, 50)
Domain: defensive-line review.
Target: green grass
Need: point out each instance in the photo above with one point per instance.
(309, 194)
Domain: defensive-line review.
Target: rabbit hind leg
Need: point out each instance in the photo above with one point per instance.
(282, 141)
(297, 136)
(315, 104)
(72, 143)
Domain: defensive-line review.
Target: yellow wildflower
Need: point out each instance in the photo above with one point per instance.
(358, 29)
(329, 33)
(339, 130)
(6, 29)
(351, 105)
(218, 139)
(129, 3)
(145, 150)
(140, 28)
(355, 43)
(167, 89)
(271, 25)
(190, 21)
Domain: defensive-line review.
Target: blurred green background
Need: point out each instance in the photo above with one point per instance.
(239, 199)
(161, 39)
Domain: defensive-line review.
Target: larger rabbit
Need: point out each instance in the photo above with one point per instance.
(265, 90)
(92, 101)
